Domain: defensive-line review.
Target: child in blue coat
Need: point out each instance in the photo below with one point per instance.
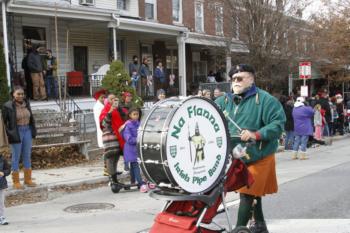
(130, 151)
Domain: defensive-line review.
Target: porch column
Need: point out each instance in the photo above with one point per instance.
(181, 42)
(6, 47)
(115, 44)
(228, 67)
(114, 25)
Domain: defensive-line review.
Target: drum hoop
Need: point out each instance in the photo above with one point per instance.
(140, 143)
(227, 149)
(163, 150)
(142, 129)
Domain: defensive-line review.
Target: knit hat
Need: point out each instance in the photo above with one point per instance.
(241, 68)
(126, 94)
(98, 93)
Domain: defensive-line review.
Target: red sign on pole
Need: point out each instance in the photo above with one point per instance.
(305, 70)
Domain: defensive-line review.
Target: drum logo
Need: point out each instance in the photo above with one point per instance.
(173, 151)
(219, 142)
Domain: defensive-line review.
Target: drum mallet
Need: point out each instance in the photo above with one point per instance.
(241, 151)
(232, 121)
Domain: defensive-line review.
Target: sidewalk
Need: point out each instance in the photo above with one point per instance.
(53, 183)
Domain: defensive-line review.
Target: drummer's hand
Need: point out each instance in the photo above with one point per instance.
(246, 135)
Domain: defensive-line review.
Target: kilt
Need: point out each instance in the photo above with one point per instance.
(264, 174)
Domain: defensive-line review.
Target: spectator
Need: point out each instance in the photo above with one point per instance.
(134, 65)
(5, 170)
(211, 77)
(35, 66)
(127, 102)
(200, 93)
(146, 78)
(110, 122)
(318, 122)
(99, 96)
(289, 126)
(159, 77)
(27, 77)
(217, 93)
(323, 101)
(207, 93)
(302, 116)
(340, 109)
(50, 64)
(20, 128)
(161, 94)
(134, 79)
(129, 134)
(335, 116)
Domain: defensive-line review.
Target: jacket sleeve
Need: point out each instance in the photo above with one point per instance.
(142, 71)
(31, 63)
(5, 117)
(273, 118)
(32, 121)
(7, 168)
(128, 137)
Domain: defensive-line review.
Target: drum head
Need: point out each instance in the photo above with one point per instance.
(197, 145)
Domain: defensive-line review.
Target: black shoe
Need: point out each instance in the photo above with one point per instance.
(119, 173)
(258, 227)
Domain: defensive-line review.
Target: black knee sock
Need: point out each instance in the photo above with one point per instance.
(258, 213)
(245, 209)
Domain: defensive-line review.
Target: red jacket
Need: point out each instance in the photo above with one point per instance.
(117, 121)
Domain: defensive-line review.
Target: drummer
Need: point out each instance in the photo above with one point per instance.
(261, 118)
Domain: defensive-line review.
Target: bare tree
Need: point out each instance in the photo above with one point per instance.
(265, 26)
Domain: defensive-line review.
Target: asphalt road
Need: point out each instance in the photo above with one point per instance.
(313, 197)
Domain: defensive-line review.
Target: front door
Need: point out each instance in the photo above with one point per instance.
(81, 59)
(81, 64)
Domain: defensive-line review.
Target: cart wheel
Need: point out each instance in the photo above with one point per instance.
(115, 188)
(241, 229)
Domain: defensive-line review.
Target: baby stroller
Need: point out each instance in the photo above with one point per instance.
(193, 213)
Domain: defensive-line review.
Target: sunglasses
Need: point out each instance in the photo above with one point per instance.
(237, 79)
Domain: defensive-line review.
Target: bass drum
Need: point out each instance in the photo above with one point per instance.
(183, 144)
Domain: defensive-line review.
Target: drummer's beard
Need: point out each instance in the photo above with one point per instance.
(239, 89)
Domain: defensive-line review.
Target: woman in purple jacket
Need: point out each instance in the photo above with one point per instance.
(302, 116)
(130, 151)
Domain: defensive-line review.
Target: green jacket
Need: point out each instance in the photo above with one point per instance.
(257, 111)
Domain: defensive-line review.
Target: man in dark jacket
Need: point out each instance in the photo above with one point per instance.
(323, 101)
(35, 66)
(289, 126)
(27, 77)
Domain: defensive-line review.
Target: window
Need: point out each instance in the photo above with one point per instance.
(177, 11)
(33, 36)
(121, 4)
(150, 9)
(199, 17)
(219, 20)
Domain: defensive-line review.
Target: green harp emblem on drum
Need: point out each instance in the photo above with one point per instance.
(173, 151)
(219, 142)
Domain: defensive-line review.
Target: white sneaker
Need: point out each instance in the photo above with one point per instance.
(3, 221)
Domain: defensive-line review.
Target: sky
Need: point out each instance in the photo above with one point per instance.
(315, 7)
